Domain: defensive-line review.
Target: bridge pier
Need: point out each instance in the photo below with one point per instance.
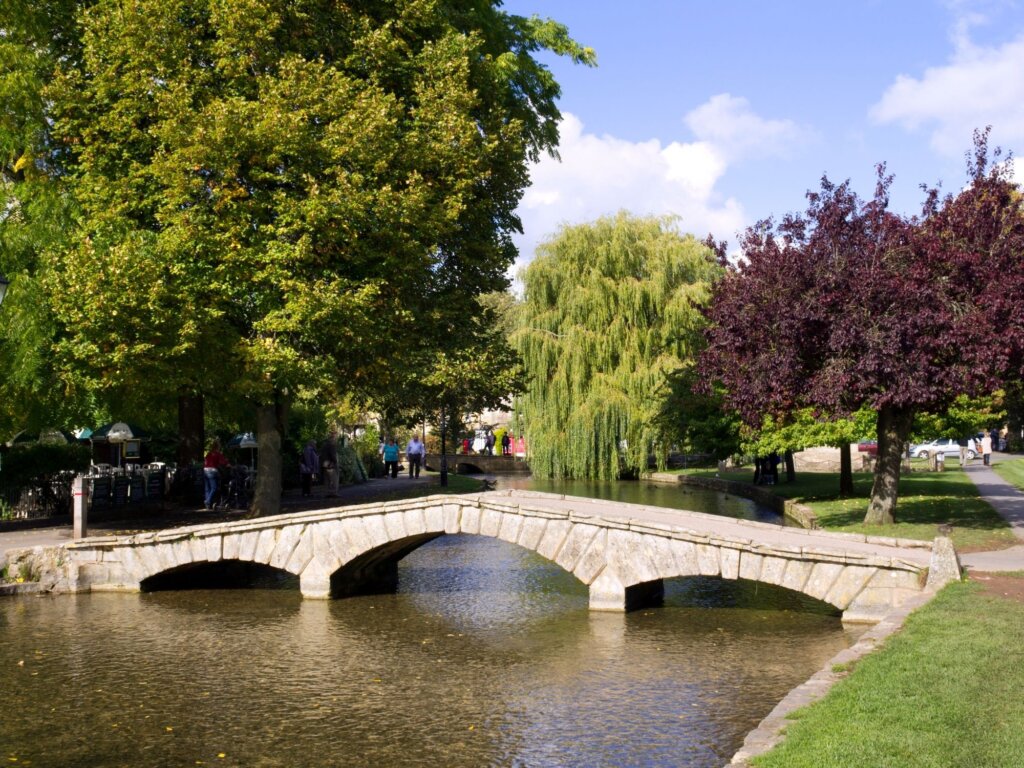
(608, 594)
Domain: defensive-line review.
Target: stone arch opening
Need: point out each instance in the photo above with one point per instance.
(719, 592)
(224, 574)
(376, 571)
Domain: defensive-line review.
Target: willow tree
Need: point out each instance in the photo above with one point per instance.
(286, 199)
(611, 311)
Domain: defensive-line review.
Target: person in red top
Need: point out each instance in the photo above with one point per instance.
(211, 472)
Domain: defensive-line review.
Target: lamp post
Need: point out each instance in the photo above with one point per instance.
(4, 282)
(444, 454)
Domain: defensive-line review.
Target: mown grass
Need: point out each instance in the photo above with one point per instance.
(944, 691)
(926, 500)
(1011, 471)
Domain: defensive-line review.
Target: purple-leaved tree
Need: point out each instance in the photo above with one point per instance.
(851, 305)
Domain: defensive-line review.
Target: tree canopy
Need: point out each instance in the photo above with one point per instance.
(277, 197)
(611, 311)
(850, 306)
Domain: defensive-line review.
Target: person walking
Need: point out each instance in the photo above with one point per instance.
(212, 465)
(506, 442)
(308, 466)
(962, 442)
(391, 458)
(415, 452)
(330, 462)
(986, 448)
(489, 443)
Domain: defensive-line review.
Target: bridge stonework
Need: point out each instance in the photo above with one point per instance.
(622, 552)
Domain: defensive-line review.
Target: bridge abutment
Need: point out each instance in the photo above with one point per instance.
(608, 594)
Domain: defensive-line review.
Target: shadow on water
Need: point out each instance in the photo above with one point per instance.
(226, 574)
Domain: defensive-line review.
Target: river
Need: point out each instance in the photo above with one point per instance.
(487, 655)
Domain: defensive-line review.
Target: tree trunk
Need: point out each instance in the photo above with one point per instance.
(893, 430)
(191, 430)
(790, 468)
(271, 423)
(845, 470)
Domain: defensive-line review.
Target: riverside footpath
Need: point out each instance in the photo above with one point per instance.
(1008, 501)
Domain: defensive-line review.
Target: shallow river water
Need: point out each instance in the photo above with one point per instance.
(487, 655)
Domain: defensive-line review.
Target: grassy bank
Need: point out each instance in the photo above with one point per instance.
(945, 691)
(927, 500)
(1011, 471)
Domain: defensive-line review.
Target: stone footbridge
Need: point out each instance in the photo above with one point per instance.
(623, 552)
(476, 463)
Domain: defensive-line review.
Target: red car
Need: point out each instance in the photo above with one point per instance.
(869, 447)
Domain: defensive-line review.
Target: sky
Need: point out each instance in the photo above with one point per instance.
(726, 112)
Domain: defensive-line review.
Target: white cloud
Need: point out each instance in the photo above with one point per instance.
(600, 175)
(978, 87)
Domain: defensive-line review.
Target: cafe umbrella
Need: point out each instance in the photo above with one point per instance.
(245, 441)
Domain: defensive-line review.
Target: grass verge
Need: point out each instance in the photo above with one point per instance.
(927, 500)
(944, 691)
(1011, 471)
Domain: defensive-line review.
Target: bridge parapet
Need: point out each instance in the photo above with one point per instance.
(623, 552)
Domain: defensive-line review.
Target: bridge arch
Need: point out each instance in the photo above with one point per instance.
(623, 553)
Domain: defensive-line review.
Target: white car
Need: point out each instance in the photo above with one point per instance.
(948, 446)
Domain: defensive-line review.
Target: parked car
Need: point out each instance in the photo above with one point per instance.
(869, 447)
(948, 446)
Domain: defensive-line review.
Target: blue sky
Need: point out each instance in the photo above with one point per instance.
(726, 112)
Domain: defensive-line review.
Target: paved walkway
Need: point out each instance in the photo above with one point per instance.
(1009, 503)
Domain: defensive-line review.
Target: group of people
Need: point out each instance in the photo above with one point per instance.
(415, 454)
(311, 463)
(489, 442)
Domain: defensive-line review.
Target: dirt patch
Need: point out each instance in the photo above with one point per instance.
(1001, 585)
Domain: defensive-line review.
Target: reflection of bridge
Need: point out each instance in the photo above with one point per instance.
(621, 551)
(472, 463)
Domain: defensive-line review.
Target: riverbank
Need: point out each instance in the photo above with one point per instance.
(944, 689)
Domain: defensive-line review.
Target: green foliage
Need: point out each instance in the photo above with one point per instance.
(963, 418)
(806, 428)
(611, 311)
(350, 467)
(23, 465)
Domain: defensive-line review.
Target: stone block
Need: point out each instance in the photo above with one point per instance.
(214, 546)
(452, 518)
(511, 527)
(750, 566)
(822, 577)
(730, 560)
(470, 520)
(773, 569)
(315, 580)
(797, 573)
(707, 560)
(232, 543)
(352, 540)
(247, 545)
(553, 538)
(302, 554)
(149, 560)
(433, 518)
(490, 522)
(532, 532)
(197, 549)
(944, 566)
(415, 524)
(165, 557)
(375, 529)
(625, 555)
(593, 560)
(576, 543)
(266, 541)
(285, 545)
(607, 592)
(849, 584)
(685, 554)
(394, 523)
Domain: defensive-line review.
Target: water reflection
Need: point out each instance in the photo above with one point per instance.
(486, 656)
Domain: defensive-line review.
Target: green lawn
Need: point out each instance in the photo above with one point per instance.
(944, 691)
(927, 500)
(1011, 471)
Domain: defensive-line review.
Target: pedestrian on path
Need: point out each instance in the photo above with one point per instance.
(986, 449)
(391, 458)
(962, 442)
(415, 452)
(212, 465)
(307, 467)
(330, 462)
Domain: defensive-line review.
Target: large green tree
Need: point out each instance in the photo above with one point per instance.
(288, 197)
(611, 312)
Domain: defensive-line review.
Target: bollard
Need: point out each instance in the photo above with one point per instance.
(80, 495)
